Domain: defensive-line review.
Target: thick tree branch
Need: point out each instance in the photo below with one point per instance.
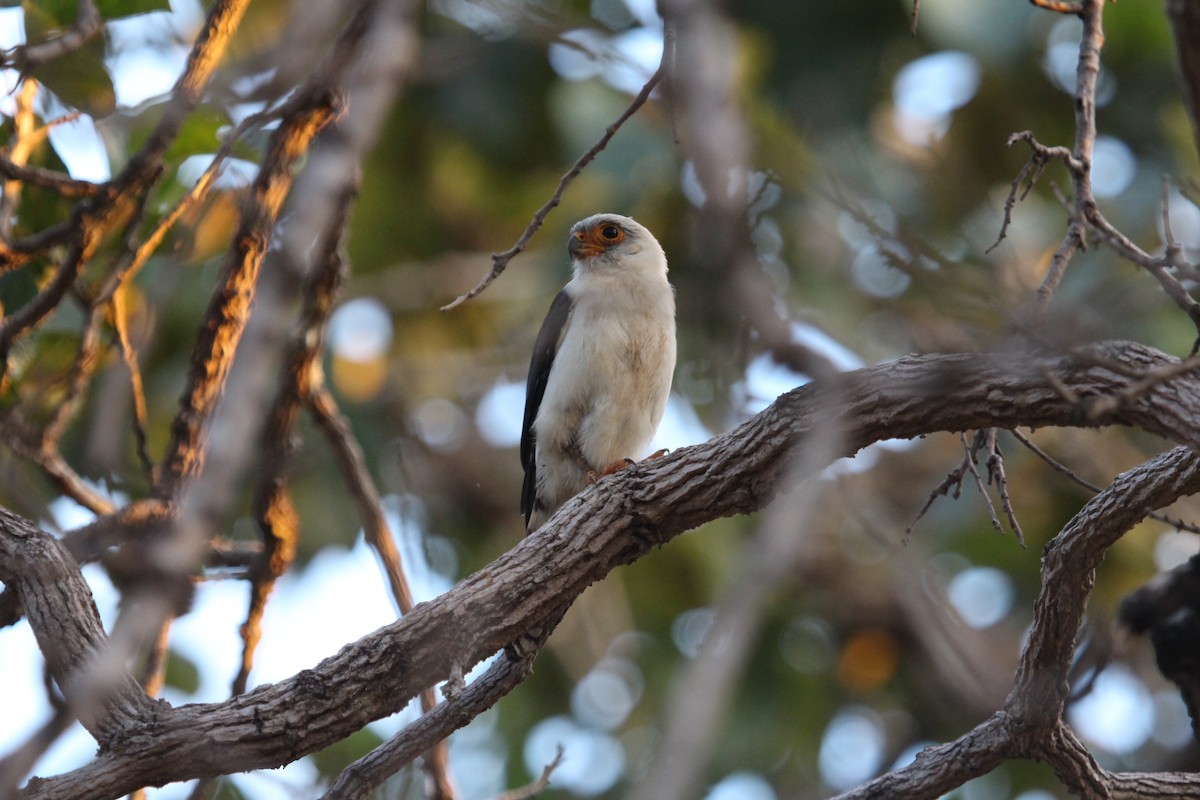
(99, 691)
(613, 523)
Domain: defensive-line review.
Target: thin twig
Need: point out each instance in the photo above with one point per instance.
(120, 318)
(996, 474)
(58, 182)
(1074, 477)
(538, 786)
(500, 260)
(1079, 158)
(28, 57)
(953, 480)
(970, 461)
(1030, 172)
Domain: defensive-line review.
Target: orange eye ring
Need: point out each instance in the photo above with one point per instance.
(611, 233)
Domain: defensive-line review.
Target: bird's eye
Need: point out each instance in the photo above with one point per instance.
(610, 232)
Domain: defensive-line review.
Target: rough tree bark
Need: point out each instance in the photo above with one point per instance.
(621, 519)
(509, 608)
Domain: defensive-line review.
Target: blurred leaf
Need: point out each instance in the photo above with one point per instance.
(198, 134)
(335, 758)
(116, 9)
(81, 79)
(16, 289)
(46, 19)
(182, 673)
(227, 790)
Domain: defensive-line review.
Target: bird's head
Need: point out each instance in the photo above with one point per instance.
(612, 239)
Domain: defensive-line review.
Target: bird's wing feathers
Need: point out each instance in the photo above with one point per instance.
(544, 350)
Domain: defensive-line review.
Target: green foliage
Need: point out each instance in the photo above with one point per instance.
(466, 157)
(116, 9)
(79, 78)
(182, 673)
(335, 758)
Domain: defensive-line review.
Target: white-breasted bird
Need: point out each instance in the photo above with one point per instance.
(602, 364)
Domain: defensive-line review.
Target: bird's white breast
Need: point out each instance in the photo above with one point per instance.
(611, 376)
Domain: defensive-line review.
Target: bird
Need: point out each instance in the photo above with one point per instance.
(602, 364)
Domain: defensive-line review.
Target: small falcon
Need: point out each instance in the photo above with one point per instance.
(601, 367)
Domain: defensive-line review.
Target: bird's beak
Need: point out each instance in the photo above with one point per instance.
(581, 245)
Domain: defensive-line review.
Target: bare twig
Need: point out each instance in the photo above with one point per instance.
(59, 183)
(90, 217)
(952, 481)
(538, 786)
(969, 461)
(1030, 172)
(984, 439)
(1079, 158)
(120, 318)
(26, 58)
(996, 474)
(500, 260)
(1074, 477)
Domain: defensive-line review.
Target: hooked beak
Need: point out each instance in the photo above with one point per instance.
(580, 247)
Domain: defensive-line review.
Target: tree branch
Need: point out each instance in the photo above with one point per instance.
(615, 522)
(500, 260)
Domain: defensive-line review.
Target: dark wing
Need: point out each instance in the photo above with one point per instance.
(544, 350)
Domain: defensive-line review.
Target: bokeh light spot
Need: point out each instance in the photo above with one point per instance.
(593, 762)
(982, 596)
(1117, 714)
(1172, 548)
(441, 424)
(499, 413)
(851, 748)
(741, 786)
(360, 330)
(1113, 166)
(689, 629)
(868, 660)
(929, 89)
(360, 333)
(807, 645)
(606, 695)
(875, 276)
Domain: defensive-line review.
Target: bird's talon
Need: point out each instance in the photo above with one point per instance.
(658, 453)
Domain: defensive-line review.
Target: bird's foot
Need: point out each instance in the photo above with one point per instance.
(617, 466)
(658, 453)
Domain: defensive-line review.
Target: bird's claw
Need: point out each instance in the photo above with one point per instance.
(593, 476)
